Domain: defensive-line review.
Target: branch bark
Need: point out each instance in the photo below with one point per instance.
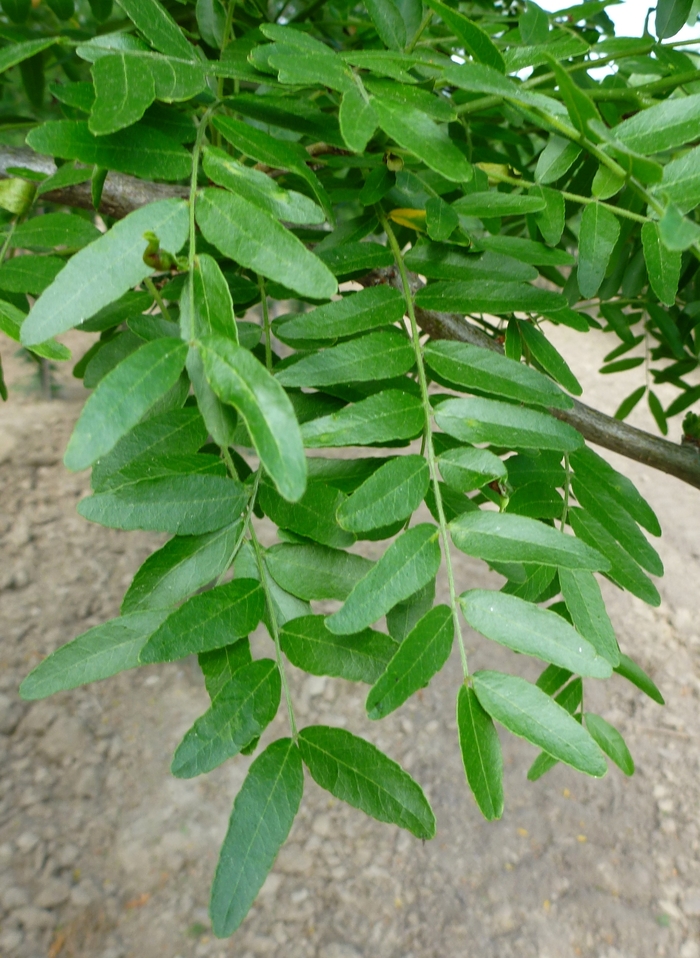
(123, 194)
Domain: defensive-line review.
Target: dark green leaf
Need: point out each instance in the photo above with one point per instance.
(260, 822)
(124, 89)
(54, 229)
(528, 712)
(407, 565)
(15, 53)
(239, 379)
(629, 670)
(381, 355)
(508, 538)
(388, 415)
(30, 274)
(181, 567)
(392, 493)
(313, 516)
(556, 159)
(242, 709)
(388, 22)
(357, 313)
(401, 619)
(549, 358)
(94, 655)
(144, 152)
(156, 24)
(476, 41)
(468, 469)
(481, 753)
(122, 398)
(219, 665)
(599, 233)
(489, 372)
(312, 571)
(358, 121)
(180, 504)
(11, 320)
(663, 265)
(487, 296)
(420, 656)
(359, 774)
(610, 740)
(360, 657)
(208, 621)
(524, 627)
(585, 603)
(493, 203)
(242, 230)
(618, 486)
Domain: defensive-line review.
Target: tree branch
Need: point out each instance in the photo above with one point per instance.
(123, 194)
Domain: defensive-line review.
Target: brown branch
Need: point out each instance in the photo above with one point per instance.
(123, 194)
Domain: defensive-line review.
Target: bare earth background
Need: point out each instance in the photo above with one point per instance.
(104, 855)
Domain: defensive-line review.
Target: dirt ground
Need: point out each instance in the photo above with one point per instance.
(104, 855)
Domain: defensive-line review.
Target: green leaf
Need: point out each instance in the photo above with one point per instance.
(54, 229)
(280, 154)
(476, 41)
(558, 156)
(390, 494)
(11, 320)
(381, 355)
(628, 404)
(441, 220)
(357, 313)
(122, 398)
(416, 132)
(358, 773)
(408, 564)
(417, 659)
(260, 823)
(666, 125)
(663, 265)
(105, 270)
(468, 469)
(145, 152)
(15, 53)
(488, 296)
(481, 753)
(180, 504)
(179, 431)
(606, 183)
(16, 10)
(527, 712)
(570, 699)
(181, 567)
(124, 89)
(30, 274)
(623, 570)
(260, 189)
(658, 413)
(486, 420)
(677, 232)
(156, 24)
(312, 571)
(101, 9)
(208, 621)
(384, 417)
(360, 657)
(533, 24)
(580, 107)
(552, 679)
(206, 305)
(588, 613)
(388, 22)
(358, 121)
(219, 665)
(610, 740)
(599, 233)
(485, 371)
(493, 203)
(525, 628)
(508, 538)
(525, 250)
(616, 485)
(243, 708)
(313, 516)
(211, 20)
(96, 654)
(551, 220)
(681, 180)
(256, 240)
(629, 670)
(549, 358)
(442, 261)
(239, 379)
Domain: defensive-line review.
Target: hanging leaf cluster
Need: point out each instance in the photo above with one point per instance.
(313, 187)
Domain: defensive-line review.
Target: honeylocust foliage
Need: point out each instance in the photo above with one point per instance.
(316, 186)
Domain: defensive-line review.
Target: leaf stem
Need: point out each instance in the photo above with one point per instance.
(428, 434)
(155, 293)
(198, 143)
(567, 491)
(266, 321)
(274, 630)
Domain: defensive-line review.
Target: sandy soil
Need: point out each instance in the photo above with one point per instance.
(104, 855)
